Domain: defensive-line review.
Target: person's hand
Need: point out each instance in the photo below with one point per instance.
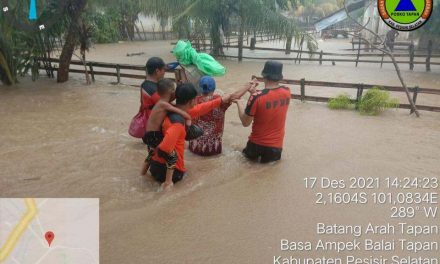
(166, 186)
(253, 85)
(188, 122)
(252, 89)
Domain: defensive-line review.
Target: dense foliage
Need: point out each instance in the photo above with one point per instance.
(19, 50)
(342, 101)
(375, 100)
(105, 26)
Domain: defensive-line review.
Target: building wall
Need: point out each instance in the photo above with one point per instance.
(377, 25)
(151, 22)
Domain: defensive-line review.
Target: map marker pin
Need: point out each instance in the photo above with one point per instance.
(49, 237)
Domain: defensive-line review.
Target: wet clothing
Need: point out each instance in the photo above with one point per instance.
(173, 128)
(159, 172)
(212, 124)
(269, 109)
(153, 138)
(149, 96)
(265, 154)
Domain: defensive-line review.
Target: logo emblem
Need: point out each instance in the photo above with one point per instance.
(405, 15)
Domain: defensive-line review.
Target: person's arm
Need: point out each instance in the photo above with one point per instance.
(204, 108)
(245, 119)
(169, 107)
(248, 87)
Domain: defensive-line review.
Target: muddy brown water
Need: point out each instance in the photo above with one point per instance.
(70, 140)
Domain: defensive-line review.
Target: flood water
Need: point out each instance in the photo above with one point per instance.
(70, 140)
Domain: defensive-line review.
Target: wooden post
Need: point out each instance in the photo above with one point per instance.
(428, 58)
(416, 91)
(411, 56)
(352, 43)
(240, 40)
(320, 58)
(359, 50)
(303, 89)
(360, 90)
(92, 73)
(301, 49)
(253, 42)
(118, 73)
(289, 44)
(52, 75)
(381, 62)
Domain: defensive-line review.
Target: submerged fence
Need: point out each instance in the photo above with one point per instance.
(359, 87)
(91, 67)
(356, 58)
(179, 74)
(409, 57)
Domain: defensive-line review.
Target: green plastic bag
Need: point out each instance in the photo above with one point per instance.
(187, 55)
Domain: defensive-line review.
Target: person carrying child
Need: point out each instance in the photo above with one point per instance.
(154, 136)
(170, 152)
(212, 123)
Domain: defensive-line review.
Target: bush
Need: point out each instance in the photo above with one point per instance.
(105, 27)
(375, 100)
(342, 101)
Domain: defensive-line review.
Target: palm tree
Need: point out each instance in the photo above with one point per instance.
(252, 16)
(75, 9)
(21, 51)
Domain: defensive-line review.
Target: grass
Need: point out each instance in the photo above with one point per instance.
(342, 101)
(375, 100)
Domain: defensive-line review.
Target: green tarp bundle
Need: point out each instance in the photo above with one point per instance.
(187, 55)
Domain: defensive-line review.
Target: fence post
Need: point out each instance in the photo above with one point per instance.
(381, 62)
(118, 73)
(360, 90)
(320, 58)
(52, 69)
(352, 43)
(92, 73)
(411, 56)
(303, 89)
(428, 59)
(288, 44)
(301, 49)
(359, 50)
(253, 42)
(416, 91)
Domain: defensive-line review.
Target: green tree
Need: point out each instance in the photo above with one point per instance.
(262, 16)
(431, 30)
(75, 9)
(22, 51)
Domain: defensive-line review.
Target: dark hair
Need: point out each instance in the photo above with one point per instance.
(164, 86)
(153, 64)
(185, 92)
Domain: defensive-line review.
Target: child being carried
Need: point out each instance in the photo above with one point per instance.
(166, 90)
